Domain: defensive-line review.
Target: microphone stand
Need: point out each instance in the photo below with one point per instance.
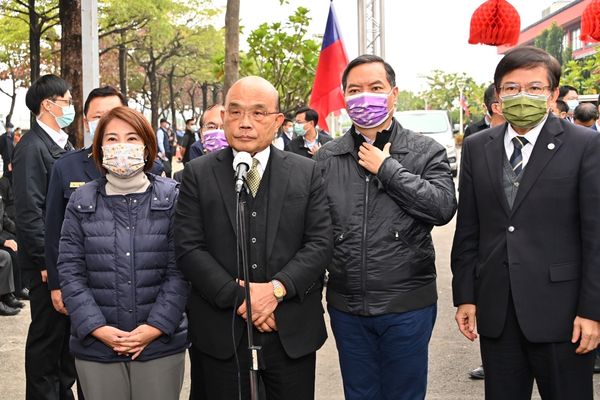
(254, 350)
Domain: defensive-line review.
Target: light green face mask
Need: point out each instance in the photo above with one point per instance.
(524, 110)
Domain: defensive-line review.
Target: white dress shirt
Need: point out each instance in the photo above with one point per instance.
(58, 137)
(531, 137)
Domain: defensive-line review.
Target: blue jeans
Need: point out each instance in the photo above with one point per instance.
(384, 357)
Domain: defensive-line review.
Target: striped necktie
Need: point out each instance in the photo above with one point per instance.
(516, 160)
(253, 178)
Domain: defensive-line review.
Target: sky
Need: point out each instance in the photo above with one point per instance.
(421, 35)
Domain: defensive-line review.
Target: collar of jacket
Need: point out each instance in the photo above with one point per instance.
(349, 142)
(53, 148)
(163, 194)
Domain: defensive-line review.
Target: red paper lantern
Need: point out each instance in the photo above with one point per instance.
(590, 22)
(495, 23)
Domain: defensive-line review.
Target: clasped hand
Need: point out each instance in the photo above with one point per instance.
(371, 158)
(264, 304)
(122, 342)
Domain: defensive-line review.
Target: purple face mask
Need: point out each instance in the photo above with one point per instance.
(214, 140)
(367, 110)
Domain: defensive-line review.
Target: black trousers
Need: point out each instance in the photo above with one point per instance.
(49, 366)
(511, 364)
(284, 378)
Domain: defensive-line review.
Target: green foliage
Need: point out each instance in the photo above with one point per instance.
(551, 40)
(583, 74)
(443, 93)
(409, 101)
(284, 55)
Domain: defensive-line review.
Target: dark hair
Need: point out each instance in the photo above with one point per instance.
(562, 106)
(187, 121)
(163, 120)
(489, 98)
(286, 120)
(105, 91)
(367, 59)
(309, 115)
(599, 100)
(208, 109)
(564, 90)
(528, 57)
(585, 112)
(47, 87)
(141, 126)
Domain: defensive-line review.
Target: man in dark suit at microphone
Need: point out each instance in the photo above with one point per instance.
(287, 254)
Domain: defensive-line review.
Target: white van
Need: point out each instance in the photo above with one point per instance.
(435, 124)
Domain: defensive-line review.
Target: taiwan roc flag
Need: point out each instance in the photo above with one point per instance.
(327, 96)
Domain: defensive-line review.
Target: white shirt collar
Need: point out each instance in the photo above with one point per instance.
(58, 137)
(531, 137)
(262, 157)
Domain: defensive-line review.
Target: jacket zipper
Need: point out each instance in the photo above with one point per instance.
(364, 245)
(131, 264)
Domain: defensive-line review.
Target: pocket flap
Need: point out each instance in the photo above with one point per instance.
(564, 272)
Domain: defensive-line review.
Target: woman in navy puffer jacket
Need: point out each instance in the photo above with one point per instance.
(117, 270)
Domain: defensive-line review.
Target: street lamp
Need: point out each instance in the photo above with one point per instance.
(460, 84)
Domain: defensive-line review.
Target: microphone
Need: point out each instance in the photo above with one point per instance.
(241, 165)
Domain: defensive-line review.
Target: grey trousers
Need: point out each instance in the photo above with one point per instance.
(159, 379)
(7, 284)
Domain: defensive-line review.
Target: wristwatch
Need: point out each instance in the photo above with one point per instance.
(278, 291)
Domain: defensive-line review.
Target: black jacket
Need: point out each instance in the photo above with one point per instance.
(296, 145)
(383, 259)
(298, 248)
(33, 159)
(476, 127)
(544, 251)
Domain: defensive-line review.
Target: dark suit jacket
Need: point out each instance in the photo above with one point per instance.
(476, 127)
(71, 171)
(6, 149)
(297, 146)
(298, 248)
(545, 250)
(33, 159)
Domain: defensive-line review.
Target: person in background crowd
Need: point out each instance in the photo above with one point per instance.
(6, 286)
(570, 96)
(586, 114)
(49, 367)
(386, 187)
(165, 151)
(560, 109)
(525, 279)
(188, 140)
(288, 254)
(117, 271)
(211, 123)
(287, 133)
(7, 146)
(489, 98)
(308, 139)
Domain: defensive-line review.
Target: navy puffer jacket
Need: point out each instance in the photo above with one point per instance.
(116, 267)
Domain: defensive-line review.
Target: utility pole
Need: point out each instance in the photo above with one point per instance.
(371, 27)
(89, 52)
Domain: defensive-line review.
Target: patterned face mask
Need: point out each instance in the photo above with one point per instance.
(214, 140)
(123, 159)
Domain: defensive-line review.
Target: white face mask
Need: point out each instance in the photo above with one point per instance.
(92, 125)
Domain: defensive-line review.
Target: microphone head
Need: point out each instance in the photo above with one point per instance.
(242, 157)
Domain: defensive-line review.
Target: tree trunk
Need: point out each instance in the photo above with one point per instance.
(71, 63)
(154, 97)
(34, 48)
(13, 100)
(170, 78)
(232, 43)
(204, 96)
(123, 65)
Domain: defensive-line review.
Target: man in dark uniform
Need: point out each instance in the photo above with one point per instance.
(6, 149)
(489, 98)
(49, 368)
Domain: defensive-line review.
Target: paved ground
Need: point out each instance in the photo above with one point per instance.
(451, 356)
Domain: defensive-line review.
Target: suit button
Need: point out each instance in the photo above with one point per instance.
(254, 266)
(253, 240)
(127, 254)
(254, 213)
(511, 229)
(130, 310)
(129, 282)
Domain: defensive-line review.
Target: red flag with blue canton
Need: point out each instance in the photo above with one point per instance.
(327, 95)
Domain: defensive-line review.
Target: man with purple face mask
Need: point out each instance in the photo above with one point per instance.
(212, 136)
(386, 187)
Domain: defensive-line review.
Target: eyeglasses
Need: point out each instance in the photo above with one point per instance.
(511, 89)
(210, 126)
(256, 115)
(69, 102)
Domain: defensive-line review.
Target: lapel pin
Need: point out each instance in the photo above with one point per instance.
(551, 146)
